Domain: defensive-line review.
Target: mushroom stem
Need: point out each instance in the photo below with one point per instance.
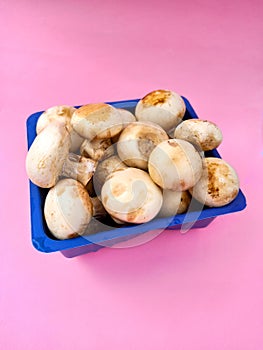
(95, 149)
(78, 168)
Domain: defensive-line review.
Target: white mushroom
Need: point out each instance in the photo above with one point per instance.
(127, 117)
(49, 157)
(47, 154)
(68, 209)
(219, 184)
(104, 169)
(130, 195)
(175, 165)
(174, 203)
(62, 113)
(95, 148)
(97, 120)
(203, 133)
(137, 141)
(162, 107)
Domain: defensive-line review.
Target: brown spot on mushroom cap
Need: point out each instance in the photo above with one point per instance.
(60, 190)
(185, 202)
(183, 185)
(97, 120)
(118, 190)
(72, 235)
(172, 143)
(134, 213)
(219, 184)
(106, 198)
(156, 97)
(42, 163)
(94, 112)
(213, 181)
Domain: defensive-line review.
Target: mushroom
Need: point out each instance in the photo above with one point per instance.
(104, 169)
(219, 184)
(174, 203)
(130, 195)
(47, 154)
(68, 209)
(137, 141)
(63, 113)
(162, 107)
(49, 157)
(203, 133)
(97, 120)
(175, 165)
(127, 117)
(95, 148)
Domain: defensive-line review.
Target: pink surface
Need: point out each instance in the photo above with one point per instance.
(202, 290)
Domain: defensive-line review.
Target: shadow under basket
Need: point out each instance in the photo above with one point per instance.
(106, 235)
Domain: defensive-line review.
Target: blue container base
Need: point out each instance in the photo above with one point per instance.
(71, 253)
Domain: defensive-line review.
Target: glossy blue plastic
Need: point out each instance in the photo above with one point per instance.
(44, 242)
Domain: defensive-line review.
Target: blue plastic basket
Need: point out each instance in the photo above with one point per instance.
(43, 240)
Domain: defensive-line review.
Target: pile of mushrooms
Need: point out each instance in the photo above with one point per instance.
(102, 162)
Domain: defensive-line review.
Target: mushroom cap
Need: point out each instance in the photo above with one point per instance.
(47, 154)
(175, 165)
(137, 141)
(119, 222)
(97, 120)
(174, 202)
(126, 116)
(162, 107)
(219, 184)
(104, 169)
(203, 133)
(68, 209)
(130, 195)
(62, 113)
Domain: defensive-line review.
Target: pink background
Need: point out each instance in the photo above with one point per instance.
(202, 290)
